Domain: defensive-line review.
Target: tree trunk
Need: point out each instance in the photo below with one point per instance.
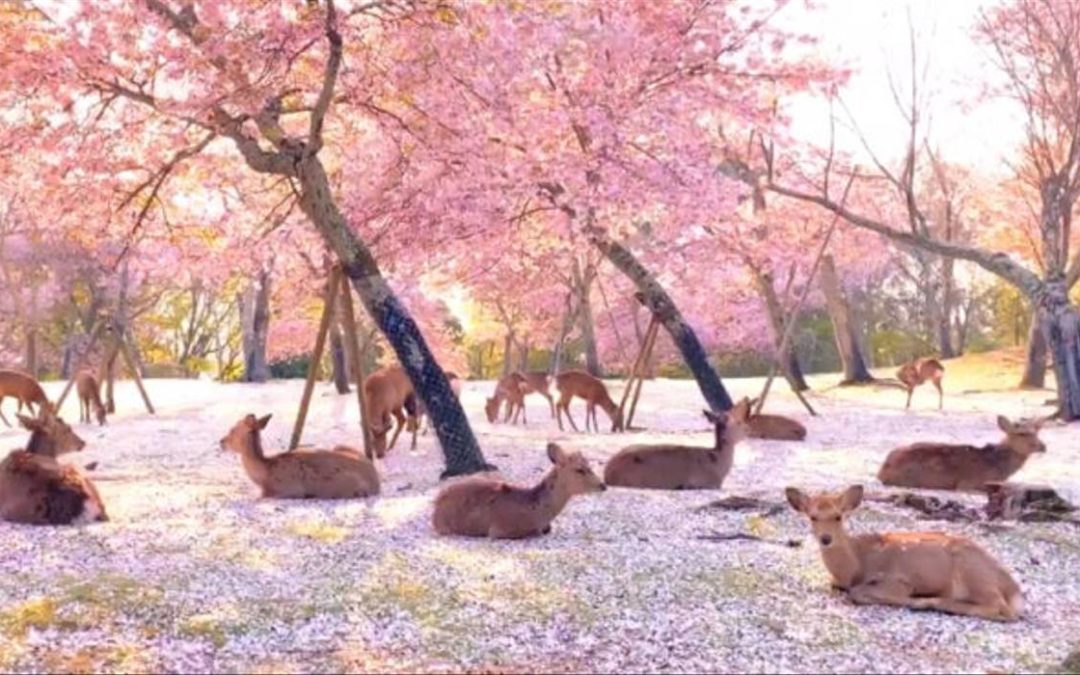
(848, 342)
(32, 352)
(569, 316)
(789, 360)
(255, 326)
(663, 308)
(338, 360)
(1035, 362)
(944, 317)
(458, 443)
(1060, 321)
(588, 327)
(508, 353)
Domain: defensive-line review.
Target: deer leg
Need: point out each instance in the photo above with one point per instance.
(400, 417)
(551, 402)
(940, 394)
(570, 417)
(910, 391)
(998, 610)
(2, 412)
(524, 414)
(887, 591)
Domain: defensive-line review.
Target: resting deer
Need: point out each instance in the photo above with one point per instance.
(509, 388)
(773, 427)
(682, 467)
(417, 411)
(917, 570)
(340, 473)
(385, 392)
(483, 507)
(916, 372)
(89, 392)
(571, 383)
(35, 489)
(940, 466)
(22, 388)
(537, 382)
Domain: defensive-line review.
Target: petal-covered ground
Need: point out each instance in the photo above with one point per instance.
(194, 573)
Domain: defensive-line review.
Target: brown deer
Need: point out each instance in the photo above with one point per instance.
(340, 473)
(682, 467)
(571, 383)
(916, 372)
(509, 388)
(917, 570)
(483, 507)
(537, 382)
(23, 388)
(385, 392)
(773, 427)
(940, 466)
(89, 392)
(35, 489)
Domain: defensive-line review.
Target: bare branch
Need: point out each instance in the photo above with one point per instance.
(326, 95)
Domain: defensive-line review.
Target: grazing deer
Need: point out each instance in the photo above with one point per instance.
(89, 392)
(417, 411)
(940, 466)
(571, 383)
(537, 382)
(340, 473)
(385, 392)
(773, 427)
(918, 371)
(482, 507)
(682, 467)
(917, 570)
(23, 388)
(35, 489)
(509, 388)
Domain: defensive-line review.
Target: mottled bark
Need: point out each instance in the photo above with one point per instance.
(586, 323)
(508, 353)
(1036, 354)
(845, 330)
(338, 361)
(255, 327)
(943, 329)
(30, 361)
(1060, 323)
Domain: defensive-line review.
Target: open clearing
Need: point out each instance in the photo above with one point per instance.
(194, 573)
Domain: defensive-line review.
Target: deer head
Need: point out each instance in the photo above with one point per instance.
(1022, 436)
(731, 424)
(244, 433)
(573, 471)
(50, 435)
(826, 511)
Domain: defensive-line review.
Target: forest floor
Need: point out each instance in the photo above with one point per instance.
(194, 573)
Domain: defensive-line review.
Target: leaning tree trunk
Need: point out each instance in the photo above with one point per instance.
(653, 295)
(458, 443)
(775, 312)
(1060, 321)
(255, 327)
(1035, 358)
(848, 342)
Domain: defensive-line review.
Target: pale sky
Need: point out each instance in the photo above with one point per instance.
(872, 36)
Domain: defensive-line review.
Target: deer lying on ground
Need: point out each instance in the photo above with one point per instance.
(510, 388)
(483, 507)
(682, 467)
(941, 466)
(918, 570)
(35, 489)
(89, 392)
(916, 372)
(340, 473)
(23, 388)
(385, 392)
(571, 383)
(416, 411)
(773, 427)
(537, 382)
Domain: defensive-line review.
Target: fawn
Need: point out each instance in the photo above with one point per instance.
(89, 392)
(35, 489)
(22, 388)
(483, 507)
(509, 388)
(340, 473)
(682, 467)
(571, 383)
(385, 393)
(918, 371)
(773, 427)
(917, 570)
(940, 466)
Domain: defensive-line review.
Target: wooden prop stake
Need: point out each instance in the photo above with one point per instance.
(635, 378)
(316, 356)
(95, 334)
(647, 350)
(352, 345)
(129, 360)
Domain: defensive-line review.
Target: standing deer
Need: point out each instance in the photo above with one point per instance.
(35, 489)
(682, 467)
(773, 427)
(509, 388)
(941, 466)
(23, 388)
(917, 570)
(571, 383)
(537, 382)
(916, 372)
(89, 392)
(482, 507)
(340, 473)
(385, 392)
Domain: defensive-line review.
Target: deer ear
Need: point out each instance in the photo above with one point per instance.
(851, 498)
(1004, 424)
(797, 498)
(741, 411)
(29, 423)
(555, 453)
(263, 421)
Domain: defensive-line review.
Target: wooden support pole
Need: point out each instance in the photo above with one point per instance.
(129, 360)
(95, 334)
(352, 346)
(320, 344)
(639, 362)
(646, 354)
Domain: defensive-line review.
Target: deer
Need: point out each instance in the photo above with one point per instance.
(916, 372)
(416, 411)
(942, 466)
(537, 382)
(385, 393)
(339, 473)
(773, 427)
(35, 489)
(24, 389)
(511, 389)
(89, 392)
(682, 467)
(917, 570)
(571, 383)
(484, 507)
